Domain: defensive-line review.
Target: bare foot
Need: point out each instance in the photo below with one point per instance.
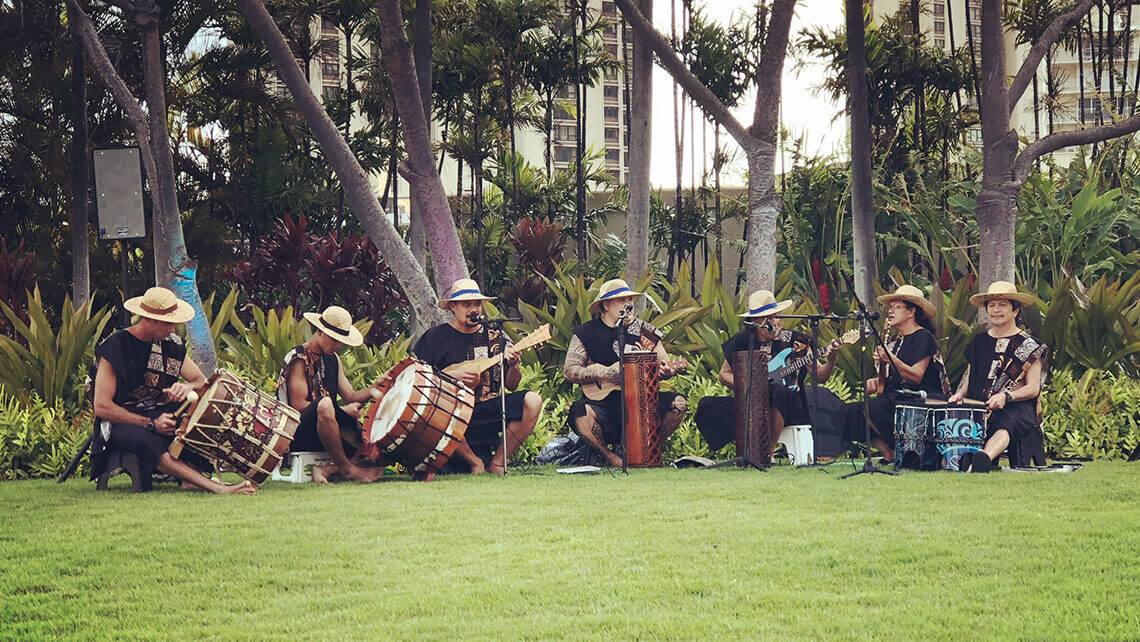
(321, 474)
(363, 475)
(477, 467)
(244, 488)
(613, 460)
(188, 486)
(495, 468)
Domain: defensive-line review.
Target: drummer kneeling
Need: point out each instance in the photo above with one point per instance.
(137, 390)
(311, 381)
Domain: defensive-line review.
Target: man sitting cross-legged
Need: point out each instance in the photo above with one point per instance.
(137, 390)
(448, 346)
(311, 381)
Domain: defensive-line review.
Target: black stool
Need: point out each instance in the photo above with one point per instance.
(142, 480)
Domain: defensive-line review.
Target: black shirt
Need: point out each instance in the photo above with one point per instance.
(143, 370)
(443, 346)
(325, 377)
(982, 354)
(915, 347)
(785, 338)
(601, 341)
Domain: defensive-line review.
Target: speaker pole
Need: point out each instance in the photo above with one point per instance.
(126, 294)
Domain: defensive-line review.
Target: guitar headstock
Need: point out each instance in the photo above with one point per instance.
(851, 336)
(538, 337)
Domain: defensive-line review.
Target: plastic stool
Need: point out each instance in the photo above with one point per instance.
(120, 462)
(296, 464)
(799, 443)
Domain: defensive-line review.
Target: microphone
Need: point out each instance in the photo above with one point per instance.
(920, 394)
(625, 311)
(478, 318)
(768, 325)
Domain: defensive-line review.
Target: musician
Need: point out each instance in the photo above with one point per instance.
(911, 361)
(716, 416)
(136, 391)
(592, 358)
(1005, 367)
(447, 346)
(311, 381)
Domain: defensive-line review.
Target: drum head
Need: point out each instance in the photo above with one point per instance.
(393, 403)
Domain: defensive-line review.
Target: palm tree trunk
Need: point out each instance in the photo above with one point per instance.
(80, 176)
(862, 208)
(640, 150)
(718, 226)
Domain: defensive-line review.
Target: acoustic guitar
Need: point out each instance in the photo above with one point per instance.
(598, 390)
(481, 364)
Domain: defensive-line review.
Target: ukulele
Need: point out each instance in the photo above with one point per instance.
(598, 390)
(481, 364)
(783, 370)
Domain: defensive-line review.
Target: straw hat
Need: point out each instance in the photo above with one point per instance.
(464, 290)
(612, 289)
(762, 303)
(160, 304)
(336, 322)
(910, 294)
(1001, 290)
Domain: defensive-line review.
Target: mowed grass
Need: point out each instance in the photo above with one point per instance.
(663, 554)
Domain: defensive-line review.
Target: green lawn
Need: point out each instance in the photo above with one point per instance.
(658, 554)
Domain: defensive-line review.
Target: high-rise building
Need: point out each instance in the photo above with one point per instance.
(954, 24)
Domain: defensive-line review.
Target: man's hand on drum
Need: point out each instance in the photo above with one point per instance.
(997, 401)
(353, 409)
(177, 392)
(955, 398)
(164, 424)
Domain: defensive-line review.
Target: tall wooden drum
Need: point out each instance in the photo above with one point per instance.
(753, 430)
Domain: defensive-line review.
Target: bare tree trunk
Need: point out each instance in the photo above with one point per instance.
(178, 270)
(357, 188)
(640, 151)
(80, 177)
(423, 57)
(718, 224)
(758, 141)
(419, 168)
(862, 207)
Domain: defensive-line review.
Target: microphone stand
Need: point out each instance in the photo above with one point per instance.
(742, 459)
(865, 322)
(498, 324)
(621, 383)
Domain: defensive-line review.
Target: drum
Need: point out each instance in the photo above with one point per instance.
(238, 427)
(914, 432)
(642, 421)
(420, 418)
(958, 430)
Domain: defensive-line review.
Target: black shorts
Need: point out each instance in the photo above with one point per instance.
(484, 431)
(306, 439)
(716, 416)
(607, 412)
(1018, 418)
(149, 446)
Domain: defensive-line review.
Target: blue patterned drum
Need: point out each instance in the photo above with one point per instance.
(914, 432)
(959, 430)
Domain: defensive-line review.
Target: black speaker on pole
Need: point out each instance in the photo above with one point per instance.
(119, 201)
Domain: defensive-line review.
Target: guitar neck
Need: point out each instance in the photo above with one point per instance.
(538, 337)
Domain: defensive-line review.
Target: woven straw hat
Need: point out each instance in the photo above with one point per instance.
(1001, 290)
(910, 294)
(762, 303)
(160, 304)
(336, 322)
(612, 289)
(464, 290)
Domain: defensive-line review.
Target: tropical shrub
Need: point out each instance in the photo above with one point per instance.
(1095, 416)
(45, 361)
(38, 439)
